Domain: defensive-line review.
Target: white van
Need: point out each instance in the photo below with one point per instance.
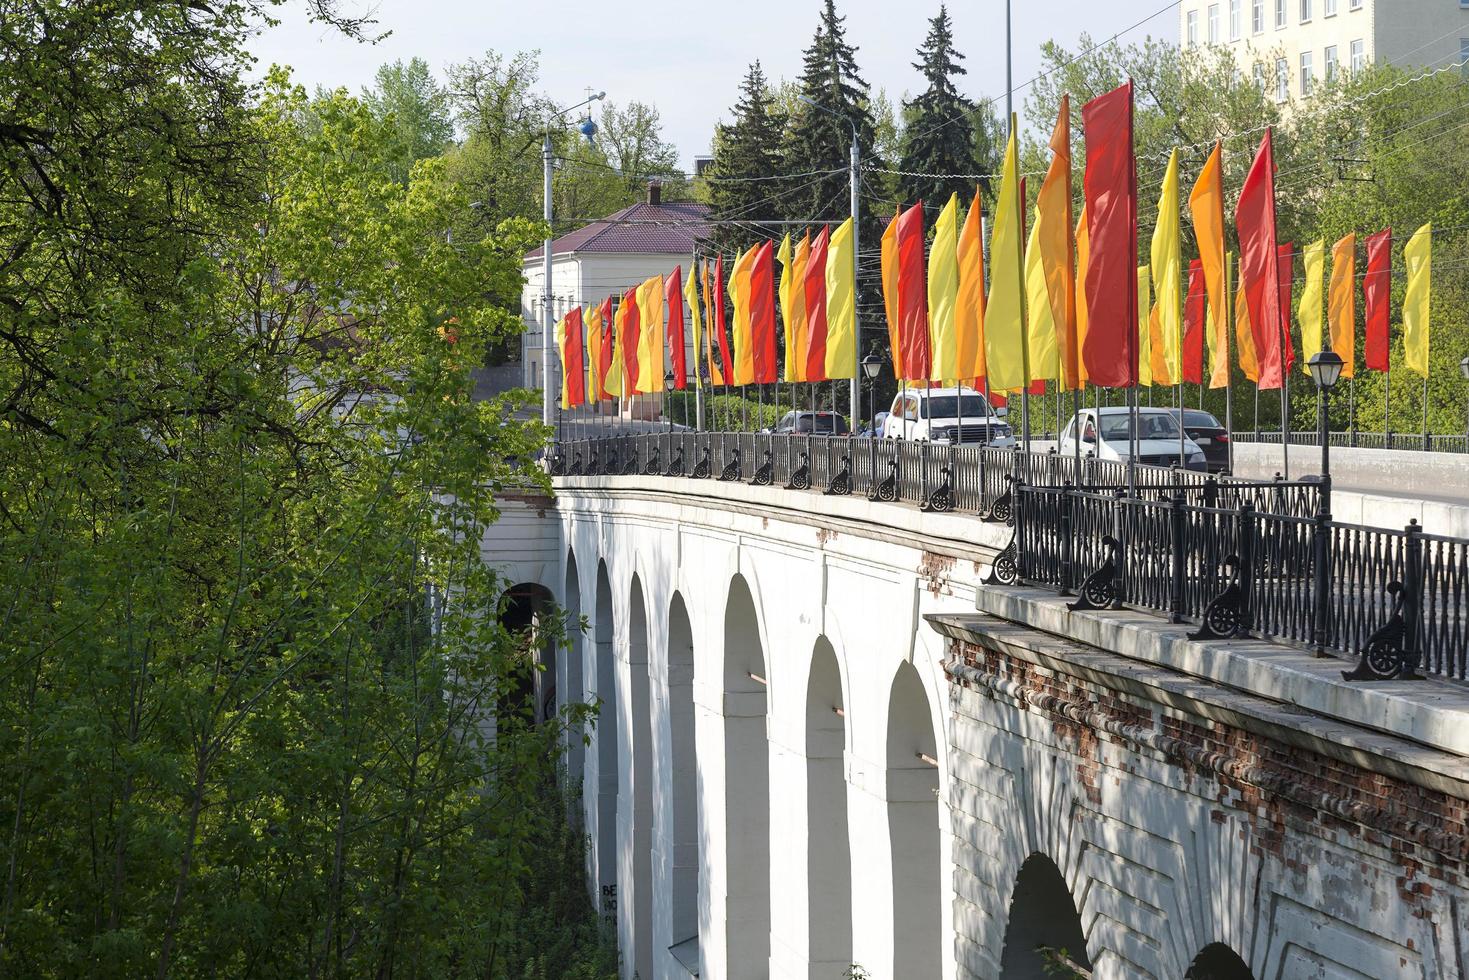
(961, 416)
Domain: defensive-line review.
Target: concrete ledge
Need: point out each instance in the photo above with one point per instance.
(1421, 726)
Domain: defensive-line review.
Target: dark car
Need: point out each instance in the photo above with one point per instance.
(813, 424)
(1213, 438)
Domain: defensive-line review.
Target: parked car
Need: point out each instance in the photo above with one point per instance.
(948, 415)
(879, 421)
(1210, 436)
(1107, 433)
(812, 424)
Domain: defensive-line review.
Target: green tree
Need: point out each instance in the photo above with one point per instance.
(416, 108)
(631, 140)
(938, 139)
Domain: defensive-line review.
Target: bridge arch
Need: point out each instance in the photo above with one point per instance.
(1044, 928)
(600, 788)
(680, 848)
(1217, 961)
(635, 794)
(572, 683)
(913, 828)
(747, 786)
(828, 844)
(529, 694)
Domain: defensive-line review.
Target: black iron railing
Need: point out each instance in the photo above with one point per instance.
(1413, 441)
(1236, 557)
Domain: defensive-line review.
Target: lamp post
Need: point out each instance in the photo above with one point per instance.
(854, 160)
(668, 394)
(1464, 371)
(548, 163)
(871, 365)
(1325, 367)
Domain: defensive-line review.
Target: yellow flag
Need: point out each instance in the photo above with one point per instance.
(1244, 337)
(943, 294)
(1342, 306)
(613, 381)
(739, 295)
(1206, 205)
(841, 304)
(890, 291)
(1167, 263)
(592, 325)
(1308, 310)
(1418, 256)
(1053, 223)
(969, 311)
(691, 300)
(1004, 327)
(650, 336)
(561, 349)
(1041, 332)
(1083, 256)
(1144, 327)
(799, 330)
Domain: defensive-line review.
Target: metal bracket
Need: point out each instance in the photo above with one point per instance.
(1099, 591)
(575, 469)
(1006, 568)
(801, 478)
(1224, 616)
(654, 466)
(1382, 656)
(731, 467)
(609, 465)
(1001, 511)
(942, 499)
(630, 465)
(556, 465)
(675, 465)
(841, 483)
(703, 467)
(765, 474)
(887, 490)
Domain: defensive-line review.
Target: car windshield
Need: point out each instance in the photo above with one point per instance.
(1118, 428)
(952, 406)
(821, 423)
(1192, 417)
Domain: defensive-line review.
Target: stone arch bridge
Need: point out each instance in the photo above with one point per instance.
(825, 743)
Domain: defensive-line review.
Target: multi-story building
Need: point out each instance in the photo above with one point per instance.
(1291, 46)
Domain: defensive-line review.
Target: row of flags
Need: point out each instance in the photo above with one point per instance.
(608, 353)
(1067, 303)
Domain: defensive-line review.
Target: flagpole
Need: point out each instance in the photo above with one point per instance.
(1387, 407)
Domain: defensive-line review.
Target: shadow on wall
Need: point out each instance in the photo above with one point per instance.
(1043, 939)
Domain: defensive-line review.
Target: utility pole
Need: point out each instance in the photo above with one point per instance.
(548, 161)
(856, 406)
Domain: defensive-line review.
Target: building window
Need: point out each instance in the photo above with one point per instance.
(1257, 16)
(1234, 20)
(1305, 73)
(1330, 6)
(1282, 80)
(1305, 11)
(1213, 23)
(1330, 64)
(1354, 4)
(1359, 56)
(1280, 15)
(1260, 77)
(1193, 27)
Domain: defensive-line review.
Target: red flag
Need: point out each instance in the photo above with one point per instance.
(1110, 185)
(912, 296)
(673, 293)
(762, 314)
(629, 339)
(816, 308)
(1254, 217)
(997, 398)
(722, 331)
(604, 352)
(1284, 256)
(1193, 324)
(574, 360)
(1376, 297)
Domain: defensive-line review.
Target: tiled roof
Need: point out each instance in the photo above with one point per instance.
(667, 228)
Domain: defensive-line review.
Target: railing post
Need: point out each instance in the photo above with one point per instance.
(1247, 564)
(1068, 554)
(1119, 531)
(1017, 512)
(1321, 560)
(1180, 557)
(1412, 598)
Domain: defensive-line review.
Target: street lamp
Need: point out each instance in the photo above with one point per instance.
(668, 394)
(548, 163)
(854, 159)
(1325, 367)
(871, 365)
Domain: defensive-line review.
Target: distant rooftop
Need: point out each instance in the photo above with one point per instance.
(647, 228)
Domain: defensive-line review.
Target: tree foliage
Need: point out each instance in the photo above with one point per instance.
(939, 136)
(746, 161)
(416, 110)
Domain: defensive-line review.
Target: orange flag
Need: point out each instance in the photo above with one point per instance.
(1341, 308)
(1083, 255)
(969, 313)
(1243, 334)
(1206, 205)
(890, 291)
(1053, 234)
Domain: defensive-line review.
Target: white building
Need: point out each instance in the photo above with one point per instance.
(1290, 46)
(605, 258)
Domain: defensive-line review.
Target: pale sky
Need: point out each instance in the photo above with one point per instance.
(688, 58)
